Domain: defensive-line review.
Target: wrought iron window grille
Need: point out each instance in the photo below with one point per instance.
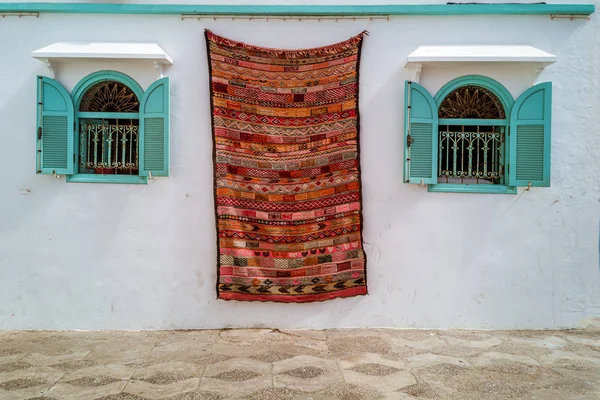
(470, 154)
(472, 137)
(109, 147)
(108, 130)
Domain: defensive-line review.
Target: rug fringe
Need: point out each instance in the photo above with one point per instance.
(290, 53)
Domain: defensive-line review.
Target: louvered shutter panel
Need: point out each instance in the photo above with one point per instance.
(420, 135)
(55, 125)
(154, 127)
(530, 123)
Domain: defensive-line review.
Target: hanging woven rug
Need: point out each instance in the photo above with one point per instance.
(285, 128)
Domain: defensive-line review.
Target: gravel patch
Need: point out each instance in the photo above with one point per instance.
(375, 369)
(532, 334)
(576, 365)
(161, 335)
(502, 389)
(343, 347)
(485, 383)
(51, 339)
(275, 394)
(422, 389)
(73, 365)
(93, 381)
(122, 396)
(208, 359)
(349, 392)
(522, 349)
(305, 372)
(236, 375)
(583, 349)
(444, 370)
(509, 367)
(272, 356)
(9, 352)
(54, 352)
(14, 366)
(199, 395)
(17, 384)
(456, 351)
(143, 362)
(161, 378)
(573, 386)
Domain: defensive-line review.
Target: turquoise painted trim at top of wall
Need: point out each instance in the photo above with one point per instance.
(312, 10)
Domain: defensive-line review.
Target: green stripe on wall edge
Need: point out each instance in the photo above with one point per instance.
(300, 10)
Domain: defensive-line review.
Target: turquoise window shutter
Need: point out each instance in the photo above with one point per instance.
(530, 122)
(154, 127)
(55, 126)
(420, 135)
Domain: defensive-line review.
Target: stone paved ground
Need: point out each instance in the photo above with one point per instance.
(273, 364)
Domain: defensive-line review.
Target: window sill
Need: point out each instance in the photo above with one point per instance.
(465, 188)
(93, 178)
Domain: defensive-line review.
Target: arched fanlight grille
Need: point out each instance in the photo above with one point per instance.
(109, 96)
(471, 102)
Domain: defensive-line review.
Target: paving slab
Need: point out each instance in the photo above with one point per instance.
(340, 364)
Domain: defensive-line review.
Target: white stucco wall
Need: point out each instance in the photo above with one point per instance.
(103, 256)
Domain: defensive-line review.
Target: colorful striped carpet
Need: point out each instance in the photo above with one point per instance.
(285, 126)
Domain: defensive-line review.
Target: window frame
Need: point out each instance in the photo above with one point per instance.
(507, 102)
(77, 94)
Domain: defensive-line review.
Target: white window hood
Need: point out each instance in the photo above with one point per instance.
(478, 54)
(103, 50)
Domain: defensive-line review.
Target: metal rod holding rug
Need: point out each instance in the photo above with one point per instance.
(286, 154)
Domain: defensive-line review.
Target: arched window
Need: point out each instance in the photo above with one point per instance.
(109, 129)
(472, 136)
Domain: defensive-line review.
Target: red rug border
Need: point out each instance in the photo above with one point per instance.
(305, 298)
